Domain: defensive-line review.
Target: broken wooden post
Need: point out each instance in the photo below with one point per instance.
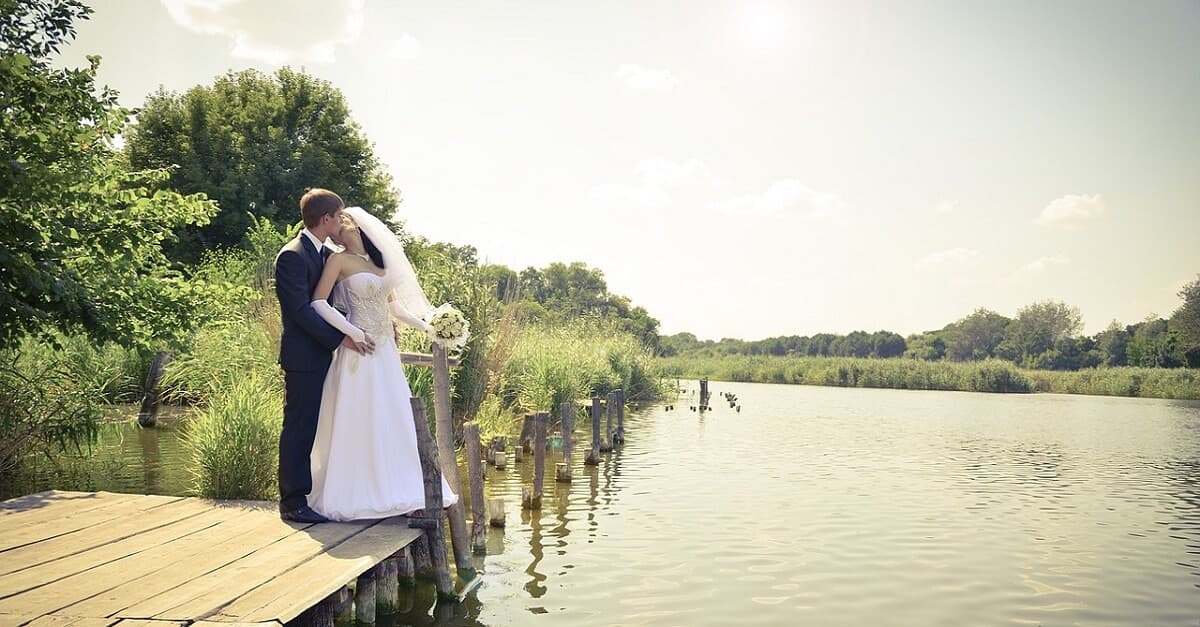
(619, 436)
(610, 414)
(495, 509)
(533, 498)
(433, 520)
(475, 470)
(593, 456)
(562, 471)
(525, 440)
(459, 539)
(151, 399)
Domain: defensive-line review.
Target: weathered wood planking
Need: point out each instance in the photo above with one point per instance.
(114, 560)
(99, 545)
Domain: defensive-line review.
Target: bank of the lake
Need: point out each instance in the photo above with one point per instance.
(992, 375)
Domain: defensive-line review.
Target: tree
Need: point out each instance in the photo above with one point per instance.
(976, 336)
(1111, 344)
(81, 235)
(1185, 322)
(253, 143)
(1036, 329)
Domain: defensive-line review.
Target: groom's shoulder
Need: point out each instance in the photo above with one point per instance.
(292, 246)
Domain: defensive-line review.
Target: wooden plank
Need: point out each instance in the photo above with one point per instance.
(51, 505)
(208, 623)
(105, 589)
(17, 531)
(202, 595)
(196, 517)
(287, 595)
(148, 623)
(111, 537)
(54, 620)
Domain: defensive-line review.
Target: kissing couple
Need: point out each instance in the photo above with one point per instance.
(348, 448)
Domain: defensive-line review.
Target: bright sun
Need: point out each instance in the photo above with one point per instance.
(762, 26)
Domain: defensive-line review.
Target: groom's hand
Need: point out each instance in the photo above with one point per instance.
(365, 347)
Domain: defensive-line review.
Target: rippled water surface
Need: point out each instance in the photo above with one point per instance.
(830, 506)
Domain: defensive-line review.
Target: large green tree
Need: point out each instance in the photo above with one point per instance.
(976, 336)
(80, 235)
(1185, 323)
(253, 142)
(1037, 328)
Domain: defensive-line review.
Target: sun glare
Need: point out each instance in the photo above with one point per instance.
(761, 26)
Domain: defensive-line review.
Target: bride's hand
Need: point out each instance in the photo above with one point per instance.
(365, 347)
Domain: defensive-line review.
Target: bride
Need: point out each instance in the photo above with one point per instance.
(364, 459)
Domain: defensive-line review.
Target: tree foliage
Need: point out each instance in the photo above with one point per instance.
(81, 234)
(976, 336)
(254, 143)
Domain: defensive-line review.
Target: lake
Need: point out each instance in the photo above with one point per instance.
(830, 506)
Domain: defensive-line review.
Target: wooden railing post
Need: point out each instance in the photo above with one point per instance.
(449, 465)
(433, 520)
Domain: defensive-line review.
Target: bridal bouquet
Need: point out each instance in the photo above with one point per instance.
(449, 327)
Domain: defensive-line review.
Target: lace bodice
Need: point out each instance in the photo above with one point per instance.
(366, 304)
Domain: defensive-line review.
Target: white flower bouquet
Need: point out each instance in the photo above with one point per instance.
(448, 327)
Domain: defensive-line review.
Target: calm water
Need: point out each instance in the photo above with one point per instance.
(830, 506)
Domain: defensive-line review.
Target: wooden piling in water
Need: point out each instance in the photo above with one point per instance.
(151, 399)
(323, 614)
(593, 456)
(610, 414)
(387, 588)
(475, 470)
(495, 509)
(421, 560)
(703, 394)
(459, 540)
(364, 596)
(432, 521)
(534, 498)
(525, 440)
(405, 572)
(619, 436)
(562, 471)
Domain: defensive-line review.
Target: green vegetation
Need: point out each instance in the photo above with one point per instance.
(234, 440)
(991, 375)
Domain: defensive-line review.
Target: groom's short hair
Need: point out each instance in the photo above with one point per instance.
(317, 202)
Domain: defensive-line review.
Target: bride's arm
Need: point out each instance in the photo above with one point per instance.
(320, 301)
(401, 313)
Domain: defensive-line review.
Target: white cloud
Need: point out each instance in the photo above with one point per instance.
(1041, 264)
(656, 179)
(1072, 210)
(956, 256)
(946, 206)
(784, 197)
(405, 47)
(274, 31)
(637, 77)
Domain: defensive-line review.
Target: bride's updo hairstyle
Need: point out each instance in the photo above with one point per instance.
(372, 250)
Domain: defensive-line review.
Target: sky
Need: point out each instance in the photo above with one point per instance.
(754, 169)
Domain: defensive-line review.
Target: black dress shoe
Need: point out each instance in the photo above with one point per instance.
(303, 515)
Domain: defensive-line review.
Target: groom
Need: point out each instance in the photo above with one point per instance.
(305, 348)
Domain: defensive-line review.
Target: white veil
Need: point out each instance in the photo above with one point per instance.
(398, 273)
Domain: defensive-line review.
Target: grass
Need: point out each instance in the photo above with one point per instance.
(234, 439)
(983, 376)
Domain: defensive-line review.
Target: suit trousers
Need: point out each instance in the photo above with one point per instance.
(301, 406)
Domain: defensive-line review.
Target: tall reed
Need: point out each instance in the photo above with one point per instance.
(234, 438)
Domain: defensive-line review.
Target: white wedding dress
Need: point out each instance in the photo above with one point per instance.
(364, 458)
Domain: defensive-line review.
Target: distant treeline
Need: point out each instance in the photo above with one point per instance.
(1042, 336)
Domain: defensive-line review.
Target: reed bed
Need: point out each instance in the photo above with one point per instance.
(983, 376)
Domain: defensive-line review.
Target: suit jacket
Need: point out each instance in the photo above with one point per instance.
(307, 342)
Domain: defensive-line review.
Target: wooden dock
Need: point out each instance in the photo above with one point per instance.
(102, 559)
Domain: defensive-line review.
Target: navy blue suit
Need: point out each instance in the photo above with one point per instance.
(305, 350)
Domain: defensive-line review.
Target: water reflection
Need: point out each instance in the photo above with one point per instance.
(832, 506)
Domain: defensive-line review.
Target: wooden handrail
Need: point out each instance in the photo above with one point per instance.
(423, 359)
